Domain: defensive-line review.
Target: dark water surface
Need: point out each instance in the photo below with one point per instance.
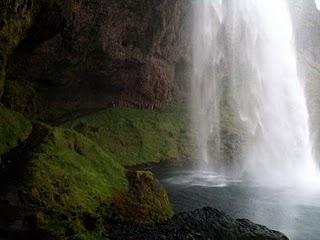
(291, 211)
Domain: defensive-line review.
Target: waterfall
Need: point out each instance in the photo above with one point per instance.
(248, 46)
(317, 4)
(205, 99)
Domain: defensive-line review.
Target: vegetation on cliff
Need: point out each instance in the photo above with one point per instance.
(14, 129)
(66, 182)
(134, 136)
(67, 186)
(66, 177)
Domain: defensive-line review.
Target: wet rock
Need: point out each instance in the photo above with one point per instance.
(206, 223)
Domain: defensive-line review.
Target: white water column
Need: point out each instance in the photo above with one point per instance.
(267, 93)
(205, 99)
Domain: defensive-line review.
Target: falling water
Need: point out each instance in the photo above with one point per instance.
(207, 57)
(257, 55)
(317, 4)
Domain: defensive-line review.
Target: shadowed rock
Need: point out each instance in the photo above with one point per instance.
(206, 223)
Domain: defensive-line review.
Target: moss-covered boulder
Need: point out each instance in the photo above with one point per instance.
(135, 136)
(60, 179)
(14, 129)
(145, 202)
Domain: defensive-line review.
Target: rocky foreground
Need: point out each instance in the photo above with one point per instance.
(206, 223)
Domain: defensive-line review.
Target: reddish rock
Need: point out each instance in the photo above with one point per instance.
(102, 53)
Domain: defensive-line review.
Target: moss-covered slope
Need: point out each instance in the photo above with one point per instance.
(134, 136)
(60, 184)
(72, 175)
(14, 129)
(67, 161)
(65, 177)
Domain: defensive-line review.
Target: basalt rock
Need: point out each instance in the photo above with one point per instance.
(206, 223)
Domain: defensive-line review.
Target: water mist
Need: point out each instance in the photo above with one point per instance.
(253, 42)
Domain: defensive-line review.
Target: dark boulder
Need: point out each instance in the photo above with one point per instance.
(206, 223)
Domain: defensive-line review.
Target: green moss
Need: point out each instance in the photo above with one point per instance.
(146, 201)
(14, 128)
(136, 136)
(15, 26)
(22, 97)
(2, 79)
(70, 163)
(70, 176)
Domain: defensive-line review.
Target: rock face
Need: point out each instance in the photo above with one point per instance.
(206, 223)
(15, 19)
(92, 54)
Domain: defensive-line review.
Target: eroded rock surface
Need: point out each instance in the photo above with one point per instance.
(97, 54)
(206, 223)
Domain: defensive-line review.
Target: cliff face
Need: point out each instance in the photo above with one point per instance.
(61, 58)
(15, 19)
(92, 54)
